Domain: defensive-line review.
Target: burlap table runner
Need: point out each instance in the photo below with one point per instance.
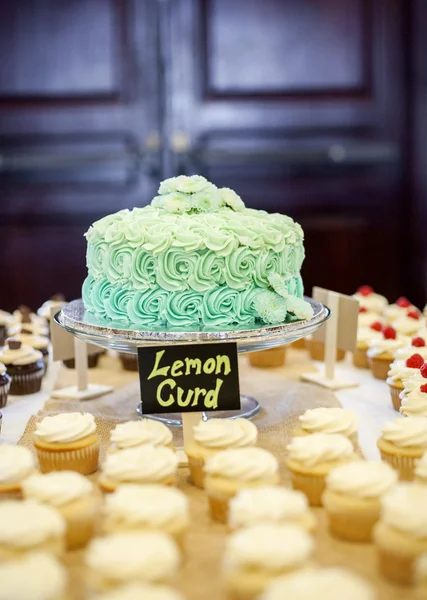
(282, 399)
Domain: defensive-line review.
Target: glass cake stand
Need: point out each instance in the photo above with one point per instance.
(125, 338)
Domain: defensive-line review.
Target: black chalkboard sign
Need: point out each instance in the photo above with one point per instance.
(195, 378)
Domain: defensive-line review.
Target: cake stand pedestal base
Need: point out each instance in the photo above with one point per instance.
(73, 393)
(330, 384)
(249, 408)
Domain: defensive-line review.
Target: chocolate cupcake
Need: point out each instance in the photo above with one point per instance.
(38, 342)
(129, 361)
(24, 321)
(24, 365)
(92, 361)
(4, 385)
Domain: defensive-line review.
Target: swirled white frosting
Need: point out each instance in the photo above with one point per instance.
(421, 467)
(148, 556)
(318, 448)
(404, 508)
(25, 355)
(320, 583)
(366, 319)
(137, 433)
(16, 463)
(243, 464)
(222, 433)
(413, 383)
(147, 505)
(270, 546)
(34, 328)
(393, 312)
(5, 318)
(35, 576)
(28, 523)
(407, 351)
(389, 346)
(399, 371)
(372, 302)
(362, 479)
(405, 433)
(406, 325)
(44, 310)
(37, 342)
(329, 420)
(57, 488)
(143, 464)
(266, 504)
(142, 591)
(365, 335)
(414, 404)
(65, 427)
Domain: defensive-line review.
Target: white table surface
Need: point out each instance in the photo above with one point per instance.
(370, 401)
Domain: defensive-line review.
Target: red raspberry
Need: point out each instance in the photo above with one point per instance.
(423, 388)
(403, 302)
(415, 361)
(365, 290)
(362, 309)
(413, 314)
(389, 333)
(418, 342)
(376, 326)
(423, 370)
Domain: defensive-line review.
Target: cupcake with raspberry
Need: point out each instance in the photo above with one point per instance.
(414, 382)
(365, 335)
(408, 324)
(418, 345)
(370, 300)
(400, 371)
(381, 352)
(415, 403)
(398, 309)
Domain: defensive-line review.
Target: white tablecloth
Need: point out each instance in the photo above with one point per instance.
(370, 401)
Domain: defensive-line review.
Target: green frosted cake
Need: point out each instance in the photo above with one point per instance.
(196, 256)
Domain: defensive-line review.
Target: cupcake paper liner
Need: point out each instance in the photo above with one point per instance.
(351, 525)
(396, 568)
(274, 357)
(197, 474)
(317, 350)
(54, 545)
(380, 367)
(218, 508)
(23, 383)
(360, 360)
(81, 518)
(129, 362)
(82, 460)
(395, 397)
(312, 486)
(404, 465)
(4, 390)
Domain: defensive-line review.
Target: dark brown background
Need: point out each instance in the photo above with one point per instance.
(315, 108)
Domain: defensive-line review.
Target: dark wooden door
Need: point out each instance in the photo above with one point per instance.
(301, 107)
(78, 133)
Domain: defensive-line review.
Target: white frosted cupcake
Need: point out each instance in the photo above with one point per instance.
(213, 436)
(119, 558)
(398, 309)
(142, 591)
(381, 352)
(28, 526)
(16, 463)
(138, 433)
(230, 471)
(421, 469)
(421, 571)
(271, 504)
(73, 496)
(402, 442)
(366, 334)
(328, 420)
(36, 576)
(310, 458)
(401, 534)
(414, 404)
(352, 498)
(320, 583)
(56, 302)
(147, 507)
(409, 323)
(370, 300)
(143, 464)
(255, 556)
(401, 370)
(67, 442)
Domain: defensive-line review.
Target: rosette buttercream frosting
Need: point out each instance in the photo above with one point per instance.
(143, 464)
(16, 463)
(142, 591)
(421, 468)
(404, 508)
(138, 433)
(57, 488)
(414, 404)
(222, 433)
(37, 575)
(406, 433)
(329, 420)
(28, 523)
(25, 355)
(370, 300)
(65, 427)
(242, 464)
(317, 448)
(123, 557)
(378, 347)
(268, 546)
(362, 479)
(195, 256)
(399, 371)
